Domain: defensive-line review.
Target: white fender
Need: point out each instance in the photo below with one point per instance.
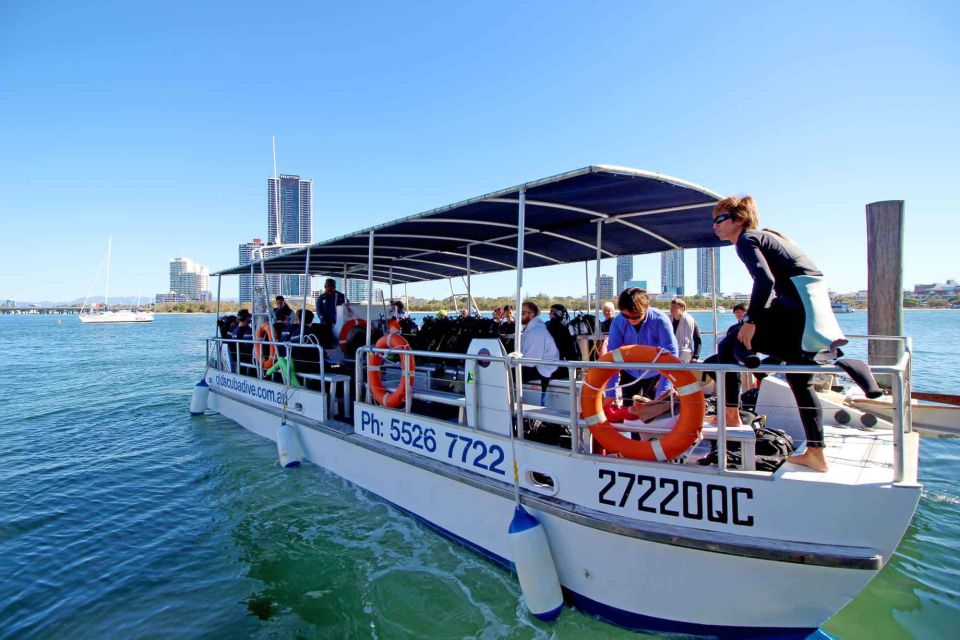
(198, 401)
(288, 446)
(535, 568)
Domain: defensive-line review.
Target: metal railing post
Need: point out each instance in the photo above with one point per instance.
(898, 427)
(722, 421)
(574, 413)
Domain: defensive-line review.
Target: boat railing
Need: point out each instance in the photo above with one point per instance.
(217, 359)
(898, 373)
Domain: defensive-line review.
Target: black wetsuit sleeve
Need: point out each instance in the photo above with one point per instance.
(748, 250)
(697, 341)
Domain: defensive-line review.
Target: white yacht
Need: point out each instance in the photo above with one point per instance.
(106, 316)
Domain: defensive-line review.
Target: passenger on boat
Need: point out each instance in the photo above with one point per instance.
(507, 316)
(241, 352)
(775, 329)
(306, 358)
(328, 301)
(639, 323)
(536, 342)
(739, 310)
(498, 315)
(565, 341)
(686, 330)
(397, 310)
(282, 304)
(609, 311)
(282, 329)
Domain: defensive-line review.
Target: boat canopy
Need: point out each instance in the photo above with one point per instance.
(628, 211)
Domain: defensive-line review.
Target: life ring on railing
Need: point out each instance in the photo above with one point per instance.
(693, 407)
(395, 398)
(263, 334)
(347, 328)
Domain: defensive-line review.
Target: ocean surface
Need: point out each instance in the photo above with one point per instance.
(122, 517)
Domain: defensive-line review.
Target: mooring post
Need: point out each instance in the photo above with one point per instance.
(885, 281)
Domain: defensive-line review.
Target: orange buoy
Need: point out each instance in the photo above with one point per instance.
(347, 328)
(684, 434)
(263, 335)
(395, 398)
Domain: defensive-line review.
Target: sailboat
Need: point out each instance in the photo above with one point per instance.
(106, 316)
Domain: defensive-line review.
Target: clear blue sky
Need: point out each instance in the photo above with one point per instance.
(153, 123)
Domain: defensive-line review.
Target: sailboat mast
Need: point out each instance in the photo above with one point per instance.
(106, 288)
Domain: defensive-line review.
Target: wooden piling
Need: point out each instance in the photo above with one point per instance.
(885, 281)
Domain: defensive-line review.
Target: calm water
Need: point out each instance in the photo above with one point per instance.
(122, 517)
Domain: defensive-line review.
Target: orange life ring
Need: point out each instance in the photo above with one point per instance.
(693, 407)
(263, 334)
(347, 327)
(395, 398)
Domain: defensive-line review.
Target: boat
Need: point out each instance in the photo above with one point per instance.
(840, 307)
(658, 542)
(105, 315)
(928, 419)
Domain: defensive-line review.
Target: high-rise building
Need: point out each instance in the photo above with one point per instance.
(624, 271)
(671, 272)
(249, 284)
(188, 279)
(289, 221)
(707, 260)
(640, 284)
(606, 287)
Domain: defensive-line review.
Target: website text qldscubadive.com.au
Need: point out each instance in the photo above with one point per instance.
(251, 389)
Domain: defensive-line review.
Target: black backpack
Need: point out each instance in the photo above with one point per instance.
(566, 343)
(772, 447)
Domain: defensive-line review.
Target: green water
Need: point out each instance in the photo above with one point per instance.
(120, 516)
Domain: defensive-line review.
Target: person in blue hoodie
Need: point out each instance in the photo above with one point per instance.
(639, 323)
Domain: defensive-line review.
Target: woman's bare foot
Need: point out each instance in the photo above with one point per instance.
(813, 458)
(732, 418)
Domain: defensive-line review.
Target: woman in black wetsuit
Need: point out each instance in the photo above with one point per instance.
(775, 329)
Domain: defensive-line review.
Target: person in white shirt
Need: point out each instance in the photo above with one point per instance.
(536, 342)
(686, 330)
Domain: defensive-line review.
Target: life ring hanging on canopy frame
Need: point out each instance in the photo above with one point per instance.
(684, 434)
(395, 398)
(263, 335)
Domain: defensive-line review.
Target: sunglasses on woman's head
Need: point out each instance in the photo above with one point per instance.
(723, 216)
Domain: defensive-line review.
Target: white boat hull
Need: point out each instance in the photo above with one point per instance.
(758, 562)
(113, 317)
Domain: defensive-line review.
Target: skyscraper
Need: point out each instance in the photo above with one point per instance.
(624, 272)
(189, 279)
(249, 284)
(606, 287)
(289, 221)
(671, 272)
(706, 259)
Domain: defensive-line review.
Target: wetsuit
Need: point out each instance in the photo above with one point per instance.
(772, 260)
(244, 349)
